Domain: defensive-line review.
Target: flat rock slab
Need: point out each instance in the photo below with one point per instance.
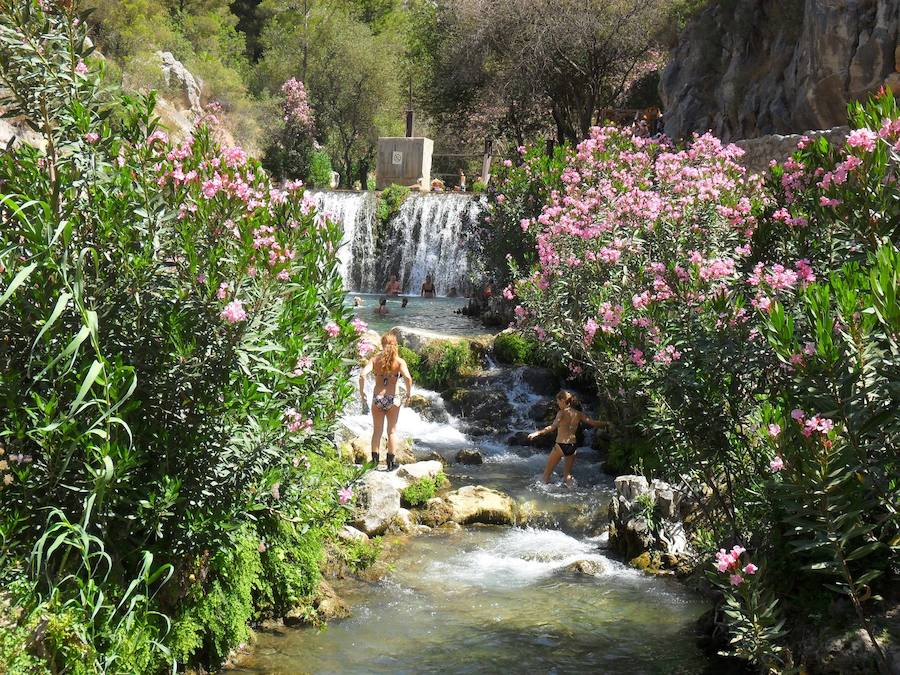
(419, 470)
(478, 504)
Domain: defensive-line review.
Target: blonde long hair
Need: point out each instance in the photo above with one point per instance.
(387, 359)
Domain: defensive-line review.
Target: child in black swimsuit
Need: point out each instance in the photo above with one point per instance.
(566, 425)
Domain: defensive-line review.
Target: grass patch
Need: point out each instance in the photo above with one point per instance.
(515, 349)
(422, 490)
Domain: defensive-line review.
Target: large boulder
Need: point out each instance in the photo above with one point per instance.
(416, 338)
(478, 504)
(777, 68)
(436, 512)
(419, 470)
(542, 381)
(483, 404)
(645, 518)
(358, 451)
(180, 80)
(545, 441)
(378, 502)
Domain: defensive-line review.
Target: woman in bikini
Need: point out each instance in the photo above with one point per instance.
(428, 287)
(565, 425)
(388, 368)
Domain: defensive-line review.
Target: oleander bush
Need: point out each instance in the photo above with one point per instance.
(174, 353)
(749, 332)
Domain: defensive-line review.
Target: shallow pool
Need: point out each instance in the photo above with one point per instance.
(434, 314)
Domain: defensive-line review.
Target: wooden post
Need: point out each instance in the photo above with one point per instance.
(486, 164)
(551, 146)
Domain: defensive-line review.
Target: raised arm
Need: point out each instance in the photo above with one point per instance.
(404, 371)
(362, 379)
(546, 430)
(587, 419)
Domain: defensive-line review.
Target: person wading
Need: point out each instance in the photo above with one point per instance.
(388, 368)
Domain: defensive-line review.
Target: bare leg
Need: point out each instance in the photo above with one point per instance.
(569, 462)
(552, 461)
(392, 416)
(377, 427)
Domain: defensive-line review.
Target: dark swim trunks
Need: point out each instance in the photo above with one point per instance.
(568, 449)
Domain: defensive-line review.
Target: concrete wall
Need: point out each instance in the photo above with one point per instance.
(403, 161)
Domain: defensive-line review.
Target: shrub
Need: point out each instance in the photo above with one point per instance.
(746, 332)
(513, 348)
(389, 202)
(173, 354)
(478, 187)
(422, 490)
(319, 174)
(443, 362)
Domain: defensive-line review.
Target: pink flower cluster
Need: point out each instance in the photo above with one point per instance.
(729, 562)
(295, 107)
(332, 329)
(811, 425)
(295, 422)
(345, 494)
(234, 312)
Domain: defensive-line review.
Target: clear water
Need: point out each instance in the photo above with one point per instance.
(435, 314)
(500, 599)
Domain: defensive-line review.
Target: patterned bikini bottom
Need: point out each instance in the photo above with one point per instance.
(385, 402)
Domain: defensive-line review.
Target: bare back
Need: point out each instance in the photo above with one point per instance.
(386, 380)
(567, 421)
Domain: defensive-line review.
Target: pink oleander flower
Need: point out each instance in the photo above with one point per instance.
(283, 275)
(507, 163)
(735, 579)
(774, 430)
(81, 68)
(234, 312)
(332, 329)
(540, 333)
(345, 494)
(295, 422)
(825, 201)
(590, 329)
(797, 414)
(359, 325)
(222, 291)
(508, 293)
(364, 348)
(262, 547)
(91, 137)
(201, 278)
(637, 357)
(862, 138)
(304, 363)
(777, 464)
(750, 568)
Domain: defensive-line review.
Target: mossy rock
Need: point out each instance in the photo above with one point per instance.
(649, 562)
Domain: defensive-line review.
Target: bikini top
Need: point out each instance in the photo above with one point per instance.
(387, 378)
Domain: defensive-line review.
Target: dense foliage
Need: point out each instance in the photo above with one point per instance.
(752, 336)
(173, 352)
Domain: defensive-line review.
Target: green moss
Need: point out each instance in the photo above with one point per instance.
(513, 348)
(358, 555)
(422, 490)
(214, 617)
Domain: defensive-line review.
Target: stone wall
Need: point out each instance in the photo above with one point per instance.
(758, 152)
(746, 68)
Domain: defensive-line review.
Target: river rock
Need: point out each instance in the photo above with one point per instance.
(484, 404)
(589, 568)
(348, 533)
(543, 411)
(469, 456)
(542, 381)
(358, 451)
(633, 531)
(416, 338)
(179, 79)
(329, 604)
(478, 504)
(419, 470)
(545, 441)
(403, 521)
(431, 409)
(377, 503)
(436, 512)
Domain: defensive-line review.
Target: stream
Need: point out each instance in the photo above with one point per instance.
(489, 599)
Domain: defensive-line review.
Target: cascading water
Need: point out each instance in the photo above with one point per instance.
(426, 237)
(355, 211)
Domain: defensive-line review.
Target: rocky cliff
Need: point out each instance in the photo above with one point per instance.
(744, 68)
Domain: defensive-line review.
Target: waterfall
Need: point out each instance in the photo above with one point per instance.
(427, 236)
(355, 211)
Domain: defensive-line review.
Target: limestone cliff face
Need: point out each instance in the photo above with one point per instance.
(744, 68)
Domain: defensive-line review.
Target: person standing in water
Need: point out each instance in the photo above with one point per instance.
(428, 288)
(566, 425)
(393, 286)
(388, 368)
